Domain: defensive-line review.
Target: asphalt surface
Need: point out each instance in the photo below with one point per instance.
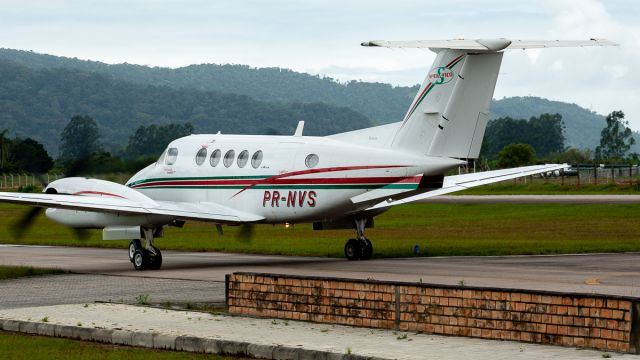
(617, 274)
(107, 275)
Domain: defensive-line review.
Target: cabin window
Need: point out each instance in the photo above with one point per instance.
(200, 156)
(243, 158)
(228, 158)
(311, 161)
(172, 156)
(256, 159)
(214, 159)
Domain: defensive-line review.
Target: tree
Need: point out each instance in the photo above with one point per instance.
(151, 140)
(616, 138)
(30, 156)
(514, 155)
(544, 133)
(572, 156)
(80, 139)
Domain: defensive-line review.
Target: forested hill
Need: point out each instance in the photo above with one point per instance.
(38, 103)
(582, 126)
(45, 91)
(382, 103)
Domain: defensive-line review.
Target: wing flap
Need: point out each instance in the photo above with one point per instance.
(465, 181)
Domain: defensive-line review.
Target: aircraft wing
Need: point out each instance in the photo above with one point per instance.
(465, 181)
(203, 211)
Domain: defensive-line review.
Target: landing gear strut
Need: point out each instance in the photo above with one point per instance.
(148, 257)
(359, 248)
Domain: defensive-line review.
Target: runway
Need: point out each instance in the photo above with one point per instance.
(617, 274)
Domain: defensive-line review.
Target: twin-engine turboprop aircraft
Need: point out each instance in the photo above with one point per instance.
(337, 181)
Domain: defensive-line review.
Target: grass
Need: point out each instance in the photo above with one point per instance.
(12, 272)
(439, 230)
(554, 187)
(19, 346)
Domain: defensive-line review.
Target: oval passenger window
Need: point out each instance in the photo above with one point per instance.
(200, 156)
(214, 159)
(228, 158)
(311, 161)
(256, 159)
(243, 158)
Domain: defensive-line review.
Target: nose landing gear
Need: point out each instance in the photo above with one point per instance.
(359, 248)
(148, 257)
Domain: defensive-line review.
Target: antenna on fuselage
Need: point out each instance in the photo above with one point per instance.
(299, 128)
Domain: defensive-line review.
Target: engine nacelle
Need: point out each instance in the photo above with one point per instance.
(80, 186)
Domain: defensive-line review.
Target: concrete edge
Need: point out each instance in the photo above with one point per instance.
(172, 342)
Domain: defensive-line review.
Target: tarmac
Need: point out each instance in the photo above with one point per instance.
(69, 301)
(262, 338)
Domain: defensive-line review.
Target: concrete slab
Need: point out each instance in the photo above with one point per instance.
(269, 338)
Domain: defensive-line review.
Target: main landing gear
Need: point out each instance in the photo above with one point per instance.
(359, 248)
(148, 257)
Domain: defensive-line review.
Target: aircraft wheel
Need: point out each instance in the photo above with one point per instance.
(155, 261)
(141, 259)
(367, 249)
(352, 249)
(133, 246)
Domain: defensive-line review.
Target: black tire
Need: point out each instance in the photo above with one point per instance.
(367, 249)
(133, 246)
(141, 259)
(352, 250)
(155, 261)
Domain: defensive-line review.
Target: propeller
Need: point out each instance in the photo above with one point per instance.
(20, 227)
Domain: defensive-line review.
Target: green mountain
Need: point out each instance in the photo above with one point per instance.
(582, 126)
(38, 103)
(39, 93)
(382, 103)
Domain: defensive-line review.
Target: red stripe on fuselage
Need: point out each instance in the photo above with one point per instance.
(97, 193)
(310, 181)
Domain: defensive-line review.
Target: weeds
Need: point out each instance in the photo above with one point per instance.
(142, 299)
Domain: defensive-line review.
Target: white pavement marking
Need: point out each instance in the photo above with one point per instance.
(293, 334)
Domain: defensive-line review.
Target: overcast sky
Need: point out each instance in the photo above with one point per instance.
(323, 37)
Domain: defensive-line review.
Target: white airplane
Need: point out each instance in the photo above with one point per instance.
(338, 181)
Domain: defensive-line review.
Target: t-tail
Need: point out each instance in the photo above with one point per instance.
(449, 114)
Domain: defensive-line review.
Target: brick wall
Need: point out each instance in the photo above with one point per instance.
(580, 320)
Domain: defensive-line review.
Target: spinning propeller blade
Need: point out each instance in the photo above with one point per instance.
(23, 224)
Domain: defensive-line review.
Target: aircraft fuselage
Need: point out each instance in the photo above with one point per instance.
(293, 179)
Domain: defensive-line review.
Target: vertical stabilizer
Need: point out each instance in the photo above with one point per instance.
(462, 124)
(423, 117)
(449, 114)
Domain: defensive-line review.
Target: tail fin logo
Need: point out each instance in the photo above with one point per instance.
(440, 75)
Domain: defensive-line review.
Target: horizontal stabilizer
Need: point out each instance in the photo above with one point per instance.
(465, 181)
(488, 45)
